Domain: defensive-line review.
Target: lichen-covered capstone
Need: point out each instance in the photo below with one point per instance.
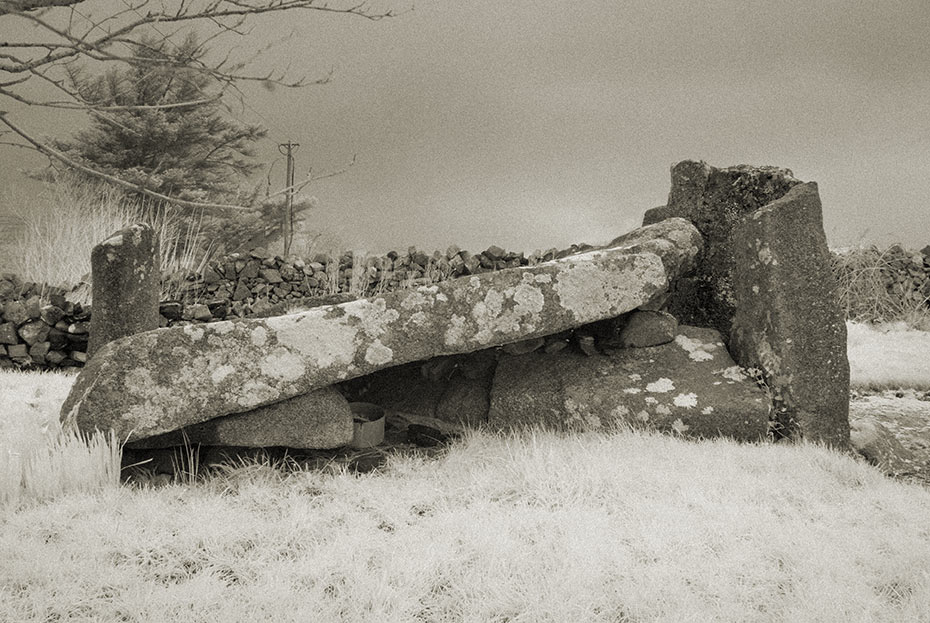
(125, 273)
(689, 386)
(787, 320)
(165, 379)
(715, 200)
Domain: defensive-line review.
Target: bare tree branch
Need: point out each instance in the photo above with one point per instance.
(66, 34)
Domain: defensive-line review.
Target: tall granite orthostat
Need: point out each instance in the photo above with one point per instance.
(126, 288)
(766, 284)
(165, 379)
(787, 321)
(714, 200)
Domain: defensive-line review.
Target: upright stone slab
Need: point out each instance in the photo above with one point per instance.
(126, 273)
(787, 320)
(715, 200)
(165, 379)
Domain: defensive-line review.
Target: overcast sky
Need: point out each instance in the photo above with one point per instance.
(531, 124)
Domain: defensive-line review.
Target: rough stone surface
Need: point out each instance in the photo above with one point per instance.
(316, 420)
(125, 285)
(715, 200)
(648, 328)
(15, 312)
(880, 447)
(168, 378)
(689, 386)
(787, 321)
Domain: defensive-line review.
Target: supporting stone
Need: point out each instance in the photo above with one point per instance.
(715, 200)
(126, 273)
(316, 420)
(689, 386)
(165, 379)
(787, 321)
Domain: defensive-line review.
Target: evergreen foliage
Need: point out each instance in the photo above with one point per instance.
(161, 124)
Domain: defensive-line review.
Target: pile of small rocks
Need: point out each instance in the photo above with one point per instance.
(33, 333)
(257, 283)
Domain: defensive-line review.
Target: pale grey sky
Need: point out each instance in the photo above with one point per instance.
(532, 124)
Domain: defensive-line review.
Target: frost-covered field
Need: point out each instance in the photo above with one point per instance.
(534, 527)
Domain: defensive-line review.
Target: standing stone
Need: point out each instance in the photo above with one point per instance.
(126, 273)
(787, 321)
(714, 200)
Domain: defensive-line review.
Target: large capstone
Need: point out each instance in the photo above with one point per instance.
(787, 320)
(125, 269)
(689, 386)
(166, 379)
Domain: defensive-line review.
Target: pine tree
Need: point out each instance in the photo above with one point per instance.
(173, 136)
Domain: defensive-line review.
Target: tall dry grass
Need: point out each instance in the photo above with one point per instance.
(864, 295)
(61, 225)
(40, 459)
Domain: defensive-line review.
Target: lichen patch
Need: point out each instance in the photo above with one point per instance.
(221, 372)
(661, 386)
(194, 332)
(323, 343)
(282, 364)
(696, 349)
(259, 336)
(453, 336)
(686, 401)
(378, 354)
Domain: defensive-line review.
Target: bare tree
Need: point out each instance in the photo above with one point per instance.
(35, 70)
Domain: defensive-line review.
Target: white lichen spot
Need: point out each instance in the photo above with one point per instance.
(733, 373)
(529, 300)
(543, 278)
(378, 354)
(661, 386)
(766, 256)
(259, 336)
(475, 283)
(649, 400)
(755, 289)
(685, 400)
(221, 372)
(642, 416)
(282, 364)
(254, 393)
(696, 349)
(635, 377)
(680, 427)
(632, 390)
(321, 342)
(194, 332)
(587, 288)
(456, 328)
(418, 319)
(417, 298)
(707, 410)
(374, 315)
(442, 298)
(222, 328)
(663, 410)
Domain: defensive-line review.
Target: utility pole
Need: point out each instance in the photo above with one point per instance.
(289, 194)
